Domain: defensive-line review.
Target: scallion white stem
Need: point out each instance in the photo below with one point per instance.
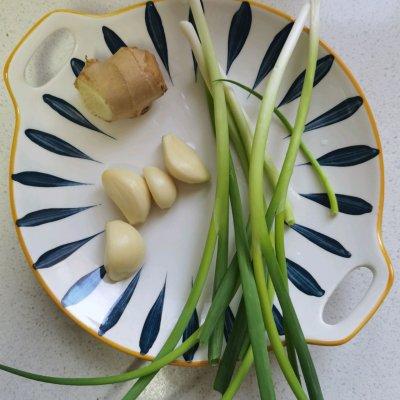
(236, 110)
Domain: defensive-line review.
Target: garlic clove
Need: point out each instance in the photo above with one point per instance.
(182, 162)
(124, 252)
(129, 192)
(161, 186)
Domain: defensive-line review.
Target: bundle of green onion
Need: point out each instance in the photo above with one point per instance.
(259, 265)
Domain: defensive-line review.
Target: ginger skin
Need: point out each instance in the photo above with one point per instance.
(123, 86)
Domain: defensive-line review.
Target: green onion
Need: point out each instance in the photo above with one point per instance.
(241, 124)
(221, 210)
(262, 247)
(274, 335)
(306, 151)
(242, 372)
(233, 347)
(107, 380)
(187, 311)
(280, 255)
(232, 350)
(302, 112)
(251, 300)
(239, 335)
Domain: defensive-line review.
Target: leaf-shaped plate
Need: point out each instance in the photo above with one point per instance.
(56, 140)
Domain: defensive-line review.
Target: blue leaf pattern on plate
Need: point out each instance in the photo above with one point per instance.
(228, 324)
(192, 326)
(83, 287)
(325, 242)
(47, 215)
(69, 112)
(272, 54)
(303, 280)
(155, 29)
(77, 65)
(238, 32)
(113, 41)
(340, 112)
(55, 145)
(347, 204)
(60, 253)
(119, 306)
(278, 320)
(152, 324)
(348, 156)
(40, 179)
(324, 65)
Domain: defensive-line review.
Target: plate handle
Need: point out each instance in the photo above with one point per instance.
(31, 41)
(381, 282)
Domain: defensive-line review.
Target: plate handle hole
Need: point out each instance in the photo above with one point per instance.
(348, 295)
(49, 58)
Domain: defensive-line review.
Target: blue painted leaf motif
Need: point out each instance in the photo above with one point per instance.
(325, 242)
(278, 320)
(272, 53)
(156, 31)
(69, 112)
(119, 306)
(40, 179)
(47, 215)
(152, 324)
(191, 20)
(229, 320)
(192, 326)
(303, 280)
(238, 32)
(60, 253)
(347, 204)
(324, 65)
(77, 65)
(348, 156)
(113, 41)
(83, 287)
(55, 145)
(340, 112)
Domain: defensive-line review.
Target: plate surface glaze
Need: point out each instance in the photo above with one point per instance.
(60, 151)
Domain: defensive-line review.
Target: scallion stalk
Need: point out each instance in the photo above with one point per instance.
(186, 313)
(262, 248)
(320, 173)
(241, 373)
(221, 209)
(108, 380)
(281, 258)
(235, 110)
(251, 300)
(225, 371)
(237, 337)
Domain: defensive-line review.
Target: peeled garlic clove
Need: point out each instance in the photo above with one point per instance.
(129, 192)
(161, 186)
(124, 252)
(182, 162)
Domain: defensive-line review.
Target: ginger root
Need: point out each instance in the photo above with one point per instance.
(123, 86)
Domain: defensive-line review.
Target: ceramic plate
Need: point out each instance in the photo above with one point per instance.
(60, 151)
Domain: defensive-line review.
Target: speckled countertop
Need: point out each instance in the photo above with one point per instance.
(36, 336)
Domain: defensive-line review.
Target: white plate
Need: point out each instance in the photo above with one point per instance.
(65, 247)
